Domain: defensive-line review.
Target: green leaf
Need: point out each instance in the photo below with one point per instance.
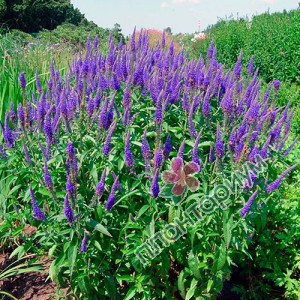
(142, 210)
(97, 245)
(110, 286)
(72, 254)
(193, 263)
(191, 290)
(130, 294)
(51, 250)
(209, 285)
(97, 226)
(83, 283)
(220, 258)
(181, 279)
(227, 227)
(15, 188)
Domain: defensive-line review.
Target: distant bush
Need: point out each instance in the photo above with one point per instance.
(273, 39)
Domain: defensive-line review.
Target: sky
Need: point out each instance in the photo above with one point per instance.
(182, 16)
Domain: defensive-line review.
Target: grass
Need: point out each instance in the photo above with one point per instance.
(17, 56)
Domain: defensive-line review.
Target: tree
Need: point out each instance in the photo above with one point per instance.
(168, 30)
(3, 8)
(34, 15)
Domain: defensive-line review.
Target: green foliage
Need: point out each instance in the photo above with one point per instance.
(274, 248)
(32, 16)
(273, 39)
(192, 267)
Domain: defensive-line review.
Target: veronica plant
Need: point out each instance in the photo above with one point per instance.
(86, 154)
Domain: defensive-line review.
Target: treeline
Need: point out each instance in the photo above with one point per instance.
(34, 15)
(50, 21)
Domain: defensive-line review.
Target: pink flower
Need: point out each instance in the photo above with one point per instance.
(181, 176)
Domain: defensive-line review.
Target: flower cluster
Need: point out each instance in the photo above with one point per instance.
(127, 102)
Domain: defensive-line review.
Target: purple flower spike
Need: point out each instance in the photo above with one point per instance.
(145, 146)
(83, 244)
(112, 196)
(289, 149)
(191, 122)
(70, 187)
(276, 84)
(101, 184)
(37, 212)
(220, 149)
(106, 146)
(22, 80)
(70, 151)
(47, 177)
(8, 134)
(232, 140)
(129, 160)
(253, 113)
(246, 209)
(116, 179)
(167, 147)
(158, 158)
(238, 66)
(180, 152)
(195, 154)
(21, 115)
(68, 211)
(38, 83)
(211, 154)
(158, 114)
(2, 152)
(155, 186)
(26, 152)
(276, 183)
(250, 67)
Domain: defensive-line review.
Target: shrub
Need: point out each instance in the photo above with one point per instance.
(273, 39)
(85, 158)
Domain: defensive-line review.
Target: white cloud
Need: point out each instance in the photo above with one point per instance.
(164, 4)
(186, 1)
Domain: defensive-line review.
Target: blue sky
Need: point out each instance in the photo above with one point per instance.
(181, 15)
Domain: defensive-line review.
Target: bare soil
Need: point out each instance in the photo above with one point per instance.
(32, 285)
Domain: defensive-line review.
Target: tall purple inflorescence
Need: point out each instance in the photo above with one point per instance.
(129, 160)
(276, 84)
(289, 149)
(112, 196)
(83, 246)
(155, 186)
(101, 184)
(2, 152)
(246, 209)
(250, 67)
(220, 149)
(70, 187)
(22, 80)
(276, 183)
(195, 154)
(70, 151)
(145, 146)
(37, 212)
(47, 177)
(180, 152)
(68, 211)
(167, 147)
(26, 153)
(106, 146)
(8, 135)
(158, 157)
